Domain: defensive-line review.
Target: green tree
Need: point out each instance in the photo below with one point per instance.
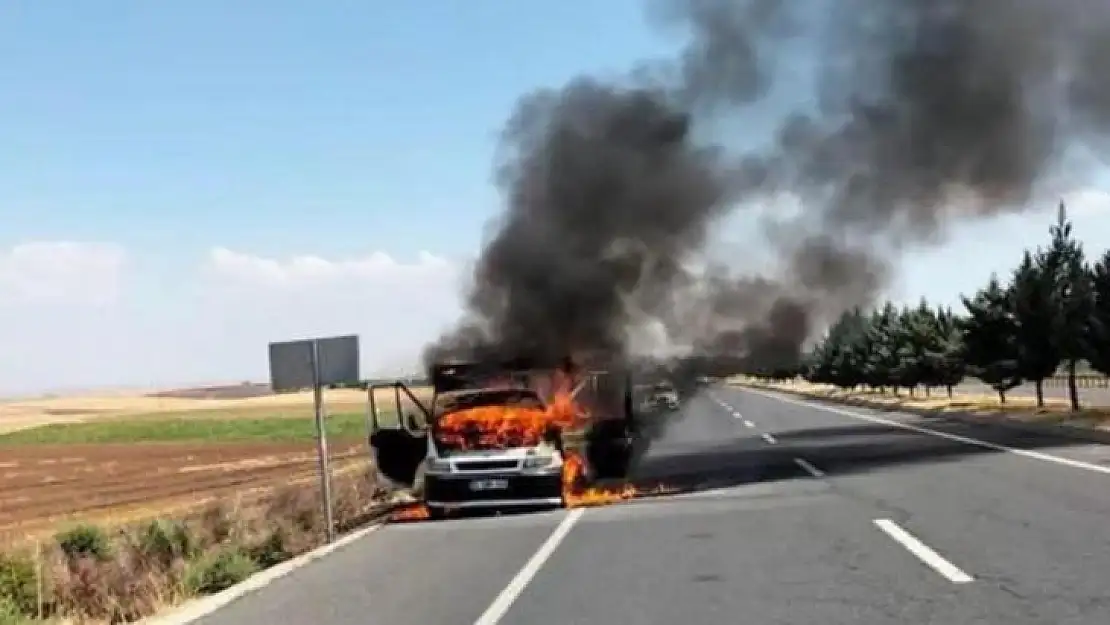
(815, 369)
(857, 348)
(1098, 330)
(839, 359)
(990, 338)
(920, 350)
(1065, 262)
(1036, 312)
(846, 366)
(951, 368)
(819, 361)
(880, 346)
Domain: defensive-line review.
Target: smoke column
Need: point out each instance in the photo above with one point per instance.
(928, 113)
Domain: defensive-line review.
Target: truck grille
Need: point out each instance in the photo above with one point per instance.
(486, 465)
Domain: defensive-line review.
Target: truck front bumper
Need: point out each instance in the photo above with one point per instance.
(496, 490)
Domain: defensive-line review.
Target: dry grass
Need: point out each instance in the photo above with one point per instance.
(93, 574)
(29, 413)
(1024, 408)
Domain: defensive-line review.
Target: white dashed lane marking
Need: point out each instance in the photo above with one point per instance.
(812, 470)
(922, 551)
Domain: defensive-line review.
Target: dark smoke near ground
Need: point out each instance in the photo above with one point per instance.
(928, 113)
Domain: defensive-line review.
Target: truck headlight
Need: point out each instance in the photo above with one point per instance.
(538, 462)
(439, 465)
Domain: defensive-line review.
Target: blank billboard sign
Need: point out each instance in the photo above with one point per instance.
(291, 366)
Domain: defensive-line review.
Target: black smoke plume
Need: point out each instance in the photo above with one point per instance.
(927, 113)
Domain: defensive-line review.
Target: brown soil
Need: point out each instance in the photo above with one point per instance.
(43, 485)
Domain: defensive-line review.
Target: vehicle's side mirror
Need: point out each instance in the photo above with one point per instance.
(413, 423)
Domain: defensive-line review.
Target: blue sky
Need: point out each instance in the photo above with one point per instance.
(276, 119)
(147, 136)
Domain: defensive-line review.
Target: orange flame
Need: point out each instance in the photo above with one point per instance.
(410, 512)
(510, 425)
(496, 426)
(577, 495)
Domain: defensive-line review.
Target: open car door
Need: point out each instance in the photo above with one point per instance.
(398, 431)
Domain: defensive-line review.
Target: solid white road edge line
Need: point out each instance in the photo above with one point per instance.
(812, 470)
(770, 439)
(496, 610)
(1068, 462)
(948, 570)
(199, 608)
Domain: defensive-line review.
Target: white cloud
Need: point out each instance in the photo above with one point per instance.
(309, 270)
(73, 272)
(210, 322)
(245, 301)
(1088, 202)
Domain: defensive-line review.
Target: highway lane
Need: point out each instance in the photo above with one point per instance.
(415, 574)
(1028, 523)
(876, 524)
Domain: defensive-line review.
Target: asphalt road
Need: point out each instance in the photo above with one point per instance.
(794, 514)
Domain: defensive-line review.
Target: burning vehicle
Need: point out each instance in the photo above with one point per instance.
(508, 435)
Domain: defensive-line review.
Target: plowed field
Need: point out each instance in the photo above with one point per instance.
(41, 485)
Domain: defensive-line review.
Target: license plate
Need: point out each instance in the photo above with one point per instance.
(489, 484)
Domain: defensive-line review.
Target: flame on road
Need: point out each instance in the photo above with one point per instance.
(576, 494)
(410, 512)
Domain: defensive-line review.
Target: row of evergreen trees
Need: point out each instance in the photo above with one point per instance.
(1053, 311)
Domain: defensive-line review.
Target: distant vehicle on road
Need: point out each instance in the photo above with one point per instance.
(665, 396)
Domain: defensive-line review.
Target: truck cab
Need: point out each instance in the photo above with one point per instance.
(494, 438)
(485, 451)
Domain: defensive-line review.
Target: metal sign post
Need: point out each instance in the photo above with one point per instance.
(322, 442)
(315, 363)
